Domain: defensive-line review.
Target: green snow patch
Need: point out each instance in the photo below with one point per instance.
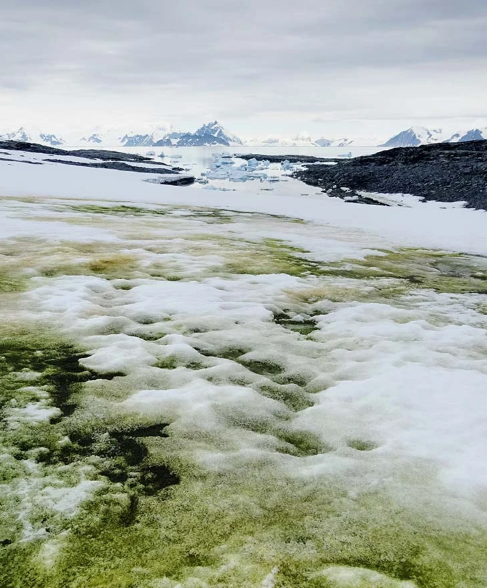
(420, 269)
(234, 529)
(194, 464)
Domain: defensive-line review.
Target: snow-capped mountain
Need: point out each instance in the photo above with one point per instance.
(422, 136)
(324, 142)
(162, 135)
(215, 129)
(213, 134)
(305, 140)
(94, 139)
(470, 135)
(143, 136)
(32, 135)
(300, 140)
(169, 140)
(417, 136)
(346, 142)
(201, 140)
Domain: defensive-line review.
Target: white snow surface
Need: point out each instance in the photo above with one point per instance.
(450, 229)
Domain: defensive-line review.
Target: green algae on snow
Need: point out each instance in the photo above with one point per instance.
(419, 269)
(232, 530)
(148, 526)
(412, 269)
(157, 518)
(48, 454)
(11, 283)
(122, 210)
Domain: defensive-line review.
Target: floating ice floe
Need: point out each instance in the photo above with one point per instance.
(220, 188)
(217, 175)
(229, 168)
(223, 167)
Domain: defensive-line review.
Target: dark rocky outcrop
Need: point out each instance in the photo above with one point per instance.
(120, 166)
(114, 160)
(446, 172)
(86, 153)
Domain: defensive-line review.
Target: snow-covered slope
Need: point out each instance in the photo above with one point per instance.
(215, 129)
(470, 135)
(300, 140)
(161, 135)
(417, 136)
(353, 142)
(143, 136)
(305, 140)
(224, 398)
(201, 140)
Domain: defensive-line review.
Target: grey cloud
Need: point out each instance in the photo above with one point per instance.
(240, 49)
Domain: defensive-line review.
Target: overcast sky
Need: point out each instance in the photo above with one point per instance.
(330, 67)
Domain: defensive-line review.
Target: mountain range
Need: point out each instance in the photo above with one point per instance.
(416, 136)
(32, 135)
(211, 134)
(214, 134)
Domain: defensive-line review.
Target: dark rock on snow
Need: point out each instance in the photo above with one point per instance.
(445, 172)
(114, 160)
(86, 153)
(118, 165)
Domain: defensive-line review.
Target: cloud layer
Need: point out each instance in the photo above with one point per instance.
(283, 63)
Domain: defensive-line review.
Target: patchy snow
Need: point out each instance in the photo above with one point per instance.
(34, 412)
(67, 500)
(285, 341)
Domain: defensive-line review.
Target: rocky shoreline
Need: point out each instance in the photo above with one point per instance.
(100, 159)
(445, 172)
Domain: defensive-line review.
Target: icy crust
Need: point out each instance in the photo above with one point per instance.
(184, 407)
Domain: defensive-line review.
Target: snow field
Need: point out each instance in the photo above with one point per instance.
(319, 394)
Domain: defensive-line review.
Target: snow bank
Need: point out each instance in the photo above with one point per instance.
(450, 229)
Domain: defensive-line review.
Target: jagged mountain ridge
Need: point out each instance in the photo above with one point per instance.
(214, 134)
(215, 129)
(32, 135)
(210, 134)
